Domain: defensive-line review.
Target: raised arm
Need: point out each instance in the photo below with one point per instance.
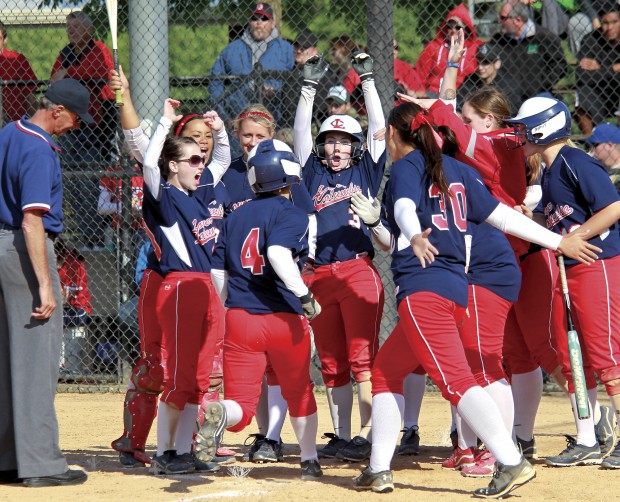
(220, 160)
(447, 91)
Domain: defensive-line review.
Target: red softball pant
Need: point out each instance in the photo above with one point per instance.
(250, 339)
(150, 329)
(482, 334)
(595, 307)
(346, 333)
(189, 323)
(426, 334)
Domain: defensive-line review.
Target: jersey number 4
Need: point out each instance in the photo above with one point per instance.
(458, 201)
(250, 255)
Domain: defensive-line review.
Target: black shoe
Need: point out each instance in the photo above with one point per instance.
(9, 477)
(356, 450)
(269, 451)
(70, 477)
(208, 467)
(507, 478)
(211, 431)
(254, 446)
(410, 442)
(127, 459)
(528, 448)
(576, 454)
(169, 463)
(379, 482)
(311, 470)
(334, 445)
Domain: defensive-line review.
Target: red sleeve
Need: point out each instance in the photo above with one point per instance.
(351, 81)
(25, 68)
(424, 66)
(83, 294)
(407, 75)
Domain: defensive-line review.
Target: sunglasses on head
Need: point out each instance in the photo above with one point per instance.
(259, 18)
(195, 160)
(454, 26)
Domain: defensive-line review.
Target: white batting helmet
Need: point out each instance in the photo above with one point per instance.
(341, 123)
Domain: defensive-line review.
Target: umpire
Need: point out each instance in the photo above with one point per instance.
(30, 320)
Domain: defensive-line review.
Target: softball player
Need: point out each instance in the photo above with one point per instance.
(343, 277)
(432, 292)
(256, 273)
(577, 193)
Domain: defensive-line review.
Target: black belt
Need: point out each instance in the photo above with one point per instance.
(5, 226)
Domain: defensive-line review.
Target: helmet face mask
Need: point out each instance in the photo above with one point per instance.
(340, 124)
(271, 166)
(541, 121)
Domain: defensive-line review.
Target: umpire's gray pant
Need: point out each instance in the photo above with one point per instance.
(29, 356)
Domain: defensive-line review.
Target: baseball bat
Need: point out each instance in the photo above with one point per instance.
(574, 351)
(112, 7)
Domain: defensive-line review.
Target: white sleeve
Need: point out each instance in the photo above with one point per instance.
(407, 218)
(137, 141)
(281, 260)
(514, 223)
(376, 120)
(533, 194)
(312, 235)
(220, 283)
(381, 236)
(105, 204)
(220, 159)
(303, 124)
(152, 174)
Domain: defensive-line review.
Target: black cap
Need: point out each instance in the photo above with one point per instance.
(487, 52)
(306, 39)
(71, 94)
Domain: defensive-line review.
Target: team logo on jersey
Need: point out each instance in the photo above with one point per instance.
(217, 212)
(204, 231)
(237, 205)
(337, 124)
(326, 196)
(553, 217)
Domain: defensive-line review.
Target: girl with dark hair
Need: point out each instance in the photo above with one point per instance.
(430, 200)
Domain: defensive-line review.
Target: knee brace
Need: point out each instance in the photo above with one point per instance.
(611, 379)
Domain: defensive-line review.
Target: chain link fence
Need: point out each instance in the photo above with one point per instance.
(186, 49)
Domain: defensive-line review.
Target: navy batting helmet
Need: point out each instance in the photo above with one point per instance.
(542, 120)
(272, 165)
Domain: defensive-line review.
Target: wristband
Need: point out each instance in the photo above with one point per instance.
(375, 224)
(453, 65)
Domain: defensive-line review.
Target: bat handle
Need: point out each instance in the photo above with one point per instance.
(118, 95)
(562, 274)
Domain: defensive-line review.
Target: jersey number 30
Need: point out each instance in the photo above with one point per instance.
(250, 256)
(458, 201)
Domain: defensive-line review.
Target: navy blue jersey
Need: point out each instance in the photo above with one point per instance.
(181, 226)
(235, 180)
(341, 235)
(575, 187)
(253, 285)
(492, 263)
(470, 201)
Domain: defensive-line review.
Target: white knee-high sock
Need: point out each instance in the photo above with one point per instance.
(234, 412)
(467, 437)
(387, 413)
(413, 391)
(585, 428)
(167, 421)
(262, 409)
(594, 404)
(364, 402)
(501, 393)
(184, 434)
(478, 409)
(340, 401)
(277, 412)
(526, 393)
(305, 430)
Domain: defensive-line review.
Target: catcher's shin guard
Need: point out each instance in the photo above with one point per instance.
(139, 413)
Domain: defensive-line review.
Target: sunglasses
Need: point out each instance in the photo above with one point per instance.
(503, 18)
(454, 26)
(195, 160)
(260, 18)
(395, 47)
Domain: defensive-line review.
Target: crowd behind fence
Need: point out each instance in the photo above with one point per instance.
(567, 49)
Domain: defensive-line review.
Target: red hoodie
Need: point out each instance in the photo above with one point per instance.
(432, 62)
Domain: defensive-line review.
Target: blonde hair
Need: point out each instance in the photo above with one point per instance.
(256, 113)
(489, 101)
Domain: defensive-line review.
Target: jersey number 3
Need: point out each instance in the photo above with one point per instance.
(458, 201)
(250, 256)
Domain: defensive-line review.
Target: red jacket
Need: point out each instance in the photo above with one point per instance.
(15, 66)
(73, 276)
(432, 62)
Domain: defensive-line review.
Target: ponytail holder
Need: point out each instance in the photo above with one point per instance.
(421, 119)
(184, 120)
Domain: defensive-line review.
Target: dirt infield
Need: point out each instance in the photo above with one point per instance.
(88, 422)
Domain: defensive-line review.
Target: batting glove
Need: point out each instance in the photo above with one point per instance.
(368, 210)
(310, 305)
(314, 70)
(362, 64)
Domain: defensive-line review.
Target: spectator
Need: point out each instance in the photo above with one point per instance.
(605, 144)
(305, 46)
(434, 57)
(488, 72)
(530, 54)
(341, 49)
(30, 322)
(90, 61)
(582, 23)
(17, 99)
(598, 71)
(259, 48)
(549, 14)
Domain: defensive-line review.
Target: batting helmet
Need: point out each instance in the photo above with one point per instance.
(543, 120)
(272, 165)
(341, 123)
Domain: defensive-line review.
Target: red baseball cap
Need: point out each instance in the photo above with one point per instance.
(262, 9)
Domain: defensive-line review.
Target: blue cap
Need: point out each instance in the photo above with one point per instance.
(71, 94)
(604, 133)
